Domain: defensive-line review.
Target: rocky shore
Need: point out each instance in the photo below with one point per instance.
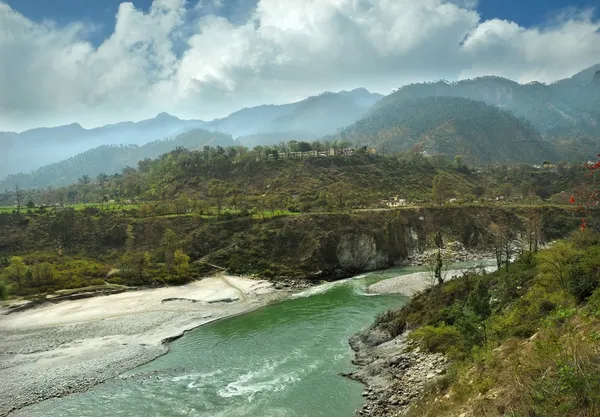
(395, 372)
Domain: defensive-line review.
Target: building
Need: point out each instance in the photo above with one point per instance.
(394, 202)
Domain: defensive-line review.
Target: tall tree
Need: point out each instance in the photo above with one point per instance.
(217, 189)
(19, 196)
(16, 271)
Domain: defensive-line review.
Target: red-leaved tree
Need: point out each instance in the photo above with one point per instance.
(588, 195)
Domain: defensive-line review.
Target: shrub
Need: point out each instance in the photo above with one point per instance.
(97, 281)
(439, 339)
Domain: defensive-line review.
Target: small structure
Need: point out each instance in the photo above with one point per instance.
(394, 202)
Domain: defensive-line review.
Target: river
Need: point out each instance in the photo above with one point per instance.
(281, 360)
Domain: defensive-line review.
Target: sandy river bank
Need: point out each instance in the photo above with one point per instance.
(55, 350)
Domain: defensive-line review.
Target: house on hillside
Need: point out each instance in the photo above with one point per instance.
(394, 202)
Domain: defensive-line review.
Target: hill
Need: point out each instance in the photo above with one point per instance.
(307, 119)
(482, 134)
(111, 159)
(566, 108)
(35, 148)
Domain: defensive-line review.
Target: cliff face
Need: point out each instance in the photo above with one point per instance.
(331, 246)
(308, 246)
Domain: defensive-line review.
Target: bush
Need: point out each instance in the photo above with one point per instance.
(584, 273)
(440, 339)
(97, 281)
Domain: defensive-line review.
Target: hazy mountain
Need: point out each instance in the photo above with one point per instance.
(32, 149)
(482, 134)
(310, 118)
(111, 159)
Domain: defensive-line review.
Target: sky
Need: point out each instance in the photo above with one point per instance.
(105, 61)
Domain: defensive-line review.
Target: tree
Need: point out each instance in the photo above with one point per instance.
(588, 196)
(134, 264)
(533, 230)
(340, 193)
(441, 188)
(504, 241)
(438, 263)
(16, 271)
(458, 161)
(217, 189)
(181, 263)
(30, 205)
(554, 262)
(19, 196)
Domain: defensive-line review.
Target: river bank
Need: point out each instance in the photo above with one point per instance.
(394, 371)
(52, 351)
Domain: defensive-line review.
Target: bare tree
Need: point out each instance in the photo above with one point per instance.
(533, 229)
(19, 196)
(505, 242)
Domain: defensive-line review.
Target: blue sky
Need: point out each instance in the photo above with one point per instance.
(526, 13)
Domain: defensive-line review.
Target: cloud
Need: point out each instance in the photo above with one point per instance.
(211, 64)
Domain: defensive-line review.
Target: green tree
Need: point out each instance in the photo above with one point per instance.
(181, 264)
(134, 263)
(16, 271)
(441, 188)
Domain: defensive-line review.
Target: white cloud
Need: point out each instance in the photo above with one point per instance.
(287, 48)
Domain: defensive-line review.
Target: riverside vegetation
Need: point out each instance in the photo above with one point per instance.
(192, 213)
(521, 341)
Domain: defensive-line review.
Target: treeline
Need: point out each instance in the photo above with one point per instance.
(216, 179)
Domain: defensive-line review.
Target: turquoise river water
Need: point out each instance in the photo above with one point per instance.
(281, 360)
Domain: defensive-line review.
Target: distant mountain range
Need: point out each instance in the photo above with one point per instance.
(567, 108)
(310, 118)
(112, 159)
(487, 119)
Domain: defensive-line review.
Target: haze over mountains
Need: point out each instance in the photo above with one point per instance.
(309, 118)
(487, 120)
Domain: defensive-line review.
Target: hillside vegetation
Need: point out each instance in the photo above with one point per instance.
(236, 179)
(482, 134)
(522, 341)
(568, 108)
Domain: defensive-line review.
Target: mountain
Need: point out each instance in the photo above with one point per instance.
(567, 108)
(482, 134)
(32, 149)
(111, 159)
(304, 120)
(307, 119)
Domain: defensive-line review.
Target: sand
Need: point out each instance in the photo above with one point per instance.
(411, 284)
(55, 350)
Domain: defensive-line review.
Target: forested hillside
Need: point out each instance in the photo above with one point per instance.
(111, 159)
(239, 179)
(482, 134)
(568, 108)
